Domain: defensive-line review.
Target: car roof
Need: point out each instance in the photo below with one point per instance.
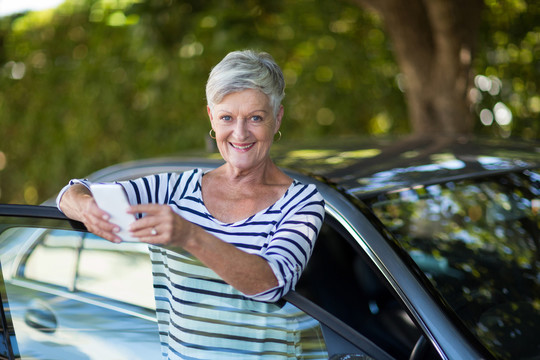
(365, 166)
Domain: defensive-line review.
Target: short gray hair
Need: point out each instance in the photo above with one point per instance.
(243, 70)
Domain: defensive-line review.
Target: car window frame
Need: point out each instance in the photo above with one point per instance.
(8, 346)
(71, 292)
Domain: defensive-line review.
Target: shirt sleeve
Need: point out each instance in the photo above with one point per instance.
(292, 244)
(149, 189)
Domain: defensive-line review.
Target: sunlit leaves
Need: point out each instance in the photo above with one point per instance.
(510, 47)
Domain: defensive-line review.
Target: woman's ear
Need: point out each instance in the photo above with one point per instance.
(209, 112)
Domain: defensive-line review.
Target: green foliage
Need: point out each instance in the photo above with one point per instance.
(96, 82)
(509, 49)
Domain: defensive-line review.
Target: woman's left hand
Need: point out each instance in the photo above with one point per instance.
(159, 225)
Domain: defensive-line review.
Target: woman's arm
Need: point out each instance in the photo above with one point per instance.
(248, 273)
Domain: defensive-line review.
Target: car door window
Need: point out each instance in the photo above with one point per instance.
(53, 260)
(48, 323)
(117, 271)
(49, 317)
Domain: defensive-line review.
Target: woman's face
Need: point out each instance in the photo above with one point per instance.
(245, 126)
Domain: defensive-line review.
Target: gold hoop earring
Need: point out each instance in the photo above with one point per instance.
(279, 136)
(210, 133)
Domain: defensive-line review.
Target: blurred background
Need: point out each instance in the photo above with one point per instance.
(90, 83)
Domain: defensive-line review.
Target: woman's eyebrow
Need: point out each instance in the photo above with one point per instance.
(220, 111)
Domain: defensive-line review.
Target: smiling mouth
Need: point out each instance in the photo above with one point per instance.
(242, 147)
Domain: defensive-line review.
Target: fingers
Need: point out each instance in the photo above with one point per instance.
(97, 222)
(110, 236)
(153, 215)
(156, 226)
(151, 226)
(104, 229)
(150, 235)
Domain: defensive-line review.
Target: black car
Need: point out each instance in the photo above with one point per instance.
(429, 251)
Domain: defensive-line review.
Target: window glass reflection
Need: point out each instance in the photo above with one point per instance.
(54, 259)
(478, 243)
(117, 271)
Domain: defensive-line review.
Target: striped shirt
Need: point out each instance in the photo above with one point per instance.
(202, 317)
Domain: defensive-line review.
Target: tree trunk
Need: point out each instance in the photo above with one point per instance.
(433, 42)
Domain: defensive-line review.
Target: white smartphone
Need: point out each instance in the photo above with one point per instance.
(112, 198)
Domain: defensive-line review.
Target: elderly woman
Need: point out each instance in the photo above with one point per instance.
(225, 244)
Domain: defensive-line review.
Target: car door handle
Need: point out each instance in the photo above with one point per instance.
(40, 317)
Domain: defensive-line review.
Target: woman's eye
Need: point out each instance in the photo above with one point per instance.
(256, 118)
(226, 118)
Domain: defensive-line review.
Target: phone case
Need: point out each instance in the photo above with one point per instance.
(113, 199)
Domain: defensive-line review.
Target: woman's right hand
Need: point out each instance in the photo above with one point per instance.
(77, 203)
(97, 221)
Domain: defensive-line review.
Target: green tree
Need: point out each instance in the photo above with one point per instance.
(96, 82)
(434, 41)
(436, 44)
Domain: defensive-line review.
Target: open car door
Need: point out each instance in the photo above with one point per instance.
(68, 294)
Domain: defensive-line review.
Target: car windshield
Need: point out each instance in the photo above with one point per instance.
(477, 242)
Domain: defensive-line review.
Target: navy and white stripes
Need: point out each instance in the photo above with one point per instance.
(202, 317)
(283, 234)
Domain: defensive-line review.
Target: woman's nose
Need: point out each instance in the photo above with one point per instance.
(241, 130)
